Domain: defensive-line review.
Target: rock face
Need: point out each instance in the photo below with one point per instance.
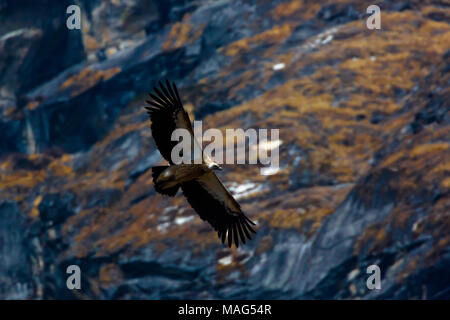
(35, 46)
(111, 26)
(364, 156)
(35, 43)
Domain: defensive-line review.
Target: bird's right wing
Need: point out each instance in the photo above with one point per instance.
(167, 114)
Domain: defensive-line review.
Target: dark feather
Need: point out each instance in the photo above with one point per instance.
(176, 93)
(241, 234)
(172, 94)
(231, 226)
(156, 171)
(164, 111)
(236, 237)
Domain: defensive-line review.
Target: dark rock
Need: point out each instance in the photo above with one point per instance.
(401, 5)
(16, 273)
(17, 50)
(56, 208)
(123, 24)
(377, 117)
(210, 108)
(144, 165)
(35, 44)
(338, 13)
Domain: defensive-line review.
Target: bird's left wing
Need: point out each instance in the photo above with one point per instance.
(214, 203)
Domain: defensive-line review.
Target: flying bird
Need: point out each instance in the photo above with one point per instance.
(199, 183)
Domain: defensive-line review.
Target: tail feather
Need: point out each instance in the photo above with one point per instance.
(156, 171)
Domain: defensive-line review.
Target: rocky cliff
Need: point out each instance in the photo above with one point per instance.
(364, 155)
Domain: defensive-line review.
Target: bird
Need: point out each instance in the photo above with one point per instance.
(200, 185)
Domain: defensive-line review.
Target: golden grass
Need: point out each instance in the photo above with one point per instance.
(86, 79)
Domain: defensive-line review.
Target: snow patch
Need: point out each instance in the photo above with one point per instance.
(226, 260)
(268, 171)
(182, 220)
(278, 66)
(162, 227)
(327, 39)
(168, 209)
(245, 189)
(269, 145)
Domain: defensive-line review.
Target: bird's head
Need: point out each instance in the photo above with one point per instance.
(214, 166)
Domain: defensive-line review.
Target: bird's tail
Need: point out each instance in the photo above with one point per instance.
(159, 187)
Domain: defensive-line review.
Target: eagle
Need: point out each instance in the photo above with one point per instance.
(200, 185)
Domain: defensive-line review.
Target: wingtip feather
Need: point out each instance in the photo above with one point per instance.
(230, 236)
(236, 237)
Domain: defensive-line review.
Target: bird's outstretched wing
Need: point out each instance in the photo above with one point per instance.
(214, 203)
(167, 114)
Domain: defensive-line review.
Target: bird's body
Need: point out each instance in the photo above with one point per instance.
(177, 174)
(199, 183)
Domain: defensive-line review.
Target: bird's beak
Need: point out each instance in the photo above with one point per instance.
(219, 168)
